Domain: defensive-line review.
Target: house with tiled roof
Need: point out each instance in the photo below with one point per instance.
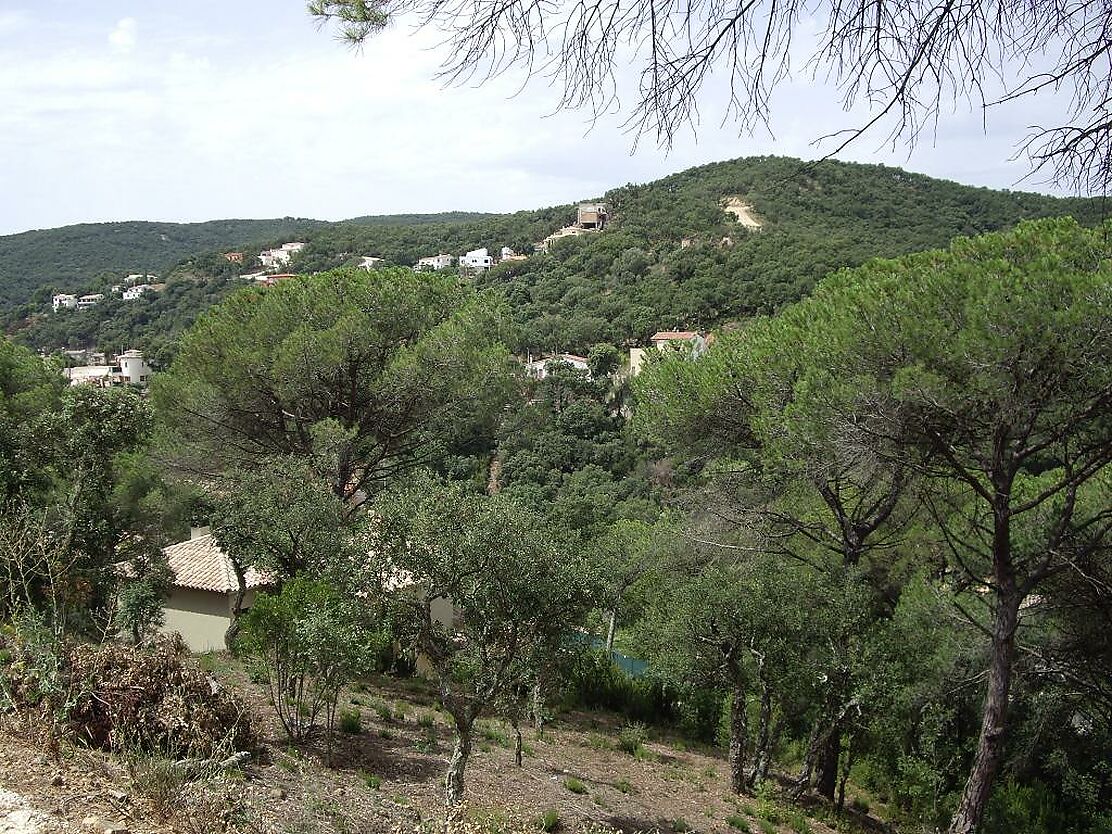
(200, 605)
(689, 342)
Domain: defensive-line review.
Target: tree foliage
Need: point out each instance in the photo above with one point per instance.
(384, 371)
(517, 587)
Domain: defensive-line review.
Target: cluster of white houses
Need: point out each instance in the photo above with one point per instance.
(134, 287)
(477, 260)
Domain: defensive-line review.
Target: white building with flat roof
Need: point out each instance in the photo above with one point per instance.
(136, 292)
(64, 301)
(476, 259)
(91, 300)
(434, 262)
(281, 255)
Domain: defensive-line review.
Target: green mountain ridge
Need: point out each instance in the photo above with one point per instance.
(671, 257)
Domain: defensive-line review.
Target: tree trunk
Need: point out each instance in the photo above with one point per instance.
(236, 606)
(538, 706)
(611, 629)
(517, 740)
(847, 766)
(761, 757)
(453, 782)
(737, 739)
(830, 754)
(990, 745)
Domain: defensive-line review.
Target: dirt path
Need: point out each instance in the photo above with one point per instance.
(742, 212)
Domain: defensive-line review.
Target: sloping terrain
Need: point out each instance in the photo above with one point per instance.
(389, 777)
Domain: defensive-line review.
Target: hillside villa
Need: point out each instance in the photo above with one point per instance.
(280, 256)
(540, 367)
(129, 368)
(679, 340)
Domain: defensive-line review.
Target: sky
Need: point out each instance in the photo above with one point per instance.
(158, 110)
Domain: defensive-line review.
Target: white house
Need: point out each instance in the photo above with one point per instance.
(539, 368)
(64, 301)
(477, 259)
(91, 300)
(129, 368)
(133, 293)
(134, 368)
(369, 263)
(509, 254)
(434, 262)
(140, 277)
(199, 607)
(274, 258)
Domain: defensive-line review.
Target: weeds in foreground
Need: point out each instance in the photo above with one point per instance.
(575, 785)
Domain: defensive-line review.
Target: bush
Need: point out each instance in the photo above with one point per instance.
(549, 820)
(680, 826)
(575, 785)
(739, 822)
(351, 721)
(631, 738)
(311, 640)
(593, 681)
(859, 805)
(624, 786)
(116, 697)
(156, 779)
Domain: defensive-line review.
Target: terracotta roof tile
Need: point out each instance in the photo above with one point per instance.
(199, 563)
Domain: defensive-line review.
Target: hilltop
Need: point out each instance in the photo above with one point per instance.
(696, 249)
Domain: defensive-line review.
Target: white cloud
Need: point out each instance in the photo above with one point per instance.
(124, 36)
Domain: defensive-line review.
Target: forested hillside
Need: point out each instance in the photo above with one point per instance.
(67, 258)
(672, 256)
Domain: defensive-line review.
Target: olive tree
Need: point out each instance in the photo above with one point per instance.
(517, 589)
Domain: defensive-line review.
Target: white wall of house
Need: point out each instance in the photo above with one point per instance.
(200, 617)
(134, 368)
(435, 262)
(64, 301)
(476, 259)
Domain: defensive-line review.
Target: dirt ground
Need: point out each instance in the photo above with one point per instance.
(389, 778)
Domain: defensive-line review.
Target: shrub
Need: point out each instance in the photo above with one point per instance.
(493, 734)
(426, 720)
(859, 805)
(384, 710)
(311, 640)
(631, 738)
(767, 827)
(156, 779)
(594, 682)
(739, 822)
(624, 786)
(575, 785)
(549, 820)
(680, 826)
(351, 721)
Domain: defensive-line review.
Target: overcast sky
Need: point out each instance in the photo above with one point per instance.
(205, 109)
